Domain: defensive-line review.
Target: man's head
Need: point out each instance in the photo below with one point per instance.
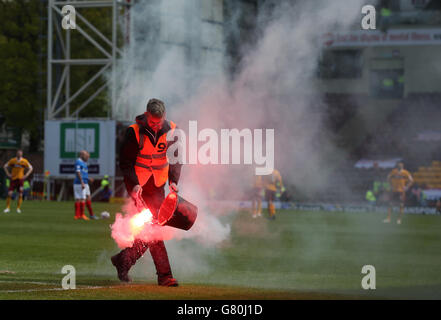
(84, 155)
(19, 154)
(400, 166)
(155, 114)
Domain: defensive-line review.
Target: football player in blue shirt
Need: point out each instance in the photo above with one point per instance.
(81, 187)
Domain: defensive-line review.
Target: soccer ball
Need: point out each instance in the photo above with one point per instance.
(105, 215)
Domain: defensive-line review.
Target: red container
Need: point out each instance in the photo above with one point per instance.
(177, 212)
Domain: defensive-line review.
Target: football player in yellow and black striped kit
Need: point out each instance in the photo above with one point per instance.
(17, 176)
(400, 181)
(273, 185)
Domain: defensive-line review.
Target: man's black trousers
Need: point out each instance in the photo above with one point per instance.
(153, 196)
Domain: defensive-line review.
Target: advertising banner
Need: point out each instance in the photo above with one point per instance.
(65, 138)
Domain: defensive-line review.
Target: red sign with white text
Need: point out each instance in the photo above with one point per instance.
(399, 37)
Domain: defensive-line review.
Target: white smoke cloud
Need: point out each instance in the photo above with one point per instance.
(274, 88)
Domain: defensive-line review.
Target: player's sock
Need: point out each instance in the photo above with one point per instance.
(77, 209)
(389, 215)
(400, 216)
(89, 207)
(272, 209)
(19, 202)
(8, 202)
(82, 205)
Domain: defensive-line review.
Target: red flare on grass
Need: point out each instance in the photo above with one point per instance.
(137, 225)
(138, 221)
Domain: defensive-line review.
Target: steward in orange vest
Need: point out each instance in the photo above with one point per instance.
(143, 155)
(143, 161)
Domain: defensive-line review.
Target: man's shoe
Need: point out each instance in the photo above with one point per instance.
(399, 221)
(123, 272)
(169, 282)
(6, 210)
(18, 210)
(94, 217)
(386, 220)
(84, 217)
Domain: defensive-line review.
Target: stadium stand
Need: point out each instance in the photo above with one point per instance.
(410, 132)
(429, 176)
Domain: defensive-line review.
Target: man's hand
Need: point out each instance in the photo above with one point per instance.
(136, 191)
(5, 168)
(82, 185)
(173, 187)
(136, 195)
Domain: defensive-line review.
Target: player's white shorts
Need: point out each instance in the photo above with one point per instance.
(80, 193)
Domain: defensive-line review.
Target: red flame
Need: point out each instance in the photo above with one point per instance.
(138, 225)
(138, 221)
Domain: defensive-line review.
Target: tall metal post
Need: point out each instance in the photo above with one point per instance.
(114, 41)
(67, 84)
(49, 56)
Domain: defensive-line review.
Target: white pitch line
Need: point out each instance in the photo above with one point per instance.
(49, 289)
(31, 282)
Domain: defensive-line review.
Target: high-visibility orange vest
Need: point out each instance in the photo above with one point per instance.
(152, 159)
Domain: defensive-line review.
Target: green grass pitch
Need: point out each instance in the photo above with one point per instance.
(300, 255)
